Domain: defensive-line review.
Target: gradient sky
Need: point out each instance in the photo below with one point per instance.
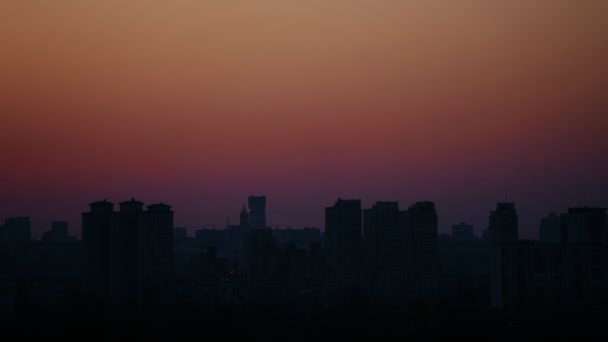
(200, 103)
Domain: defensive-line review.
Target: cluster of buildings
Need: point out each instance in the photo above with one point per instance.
(132, 258)
(381, 251)
(566, 267)
(127, 254)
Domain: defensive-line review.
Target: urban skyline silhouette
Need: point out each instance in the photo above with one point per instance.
(229, 213)
(303, 170)
(133, 262)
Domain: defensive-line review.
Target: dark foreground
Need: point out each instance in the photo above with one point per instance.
(323, 323)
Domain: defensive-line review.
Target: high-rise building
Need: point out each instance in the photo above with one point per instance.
(571, 272)
(16, 230)
(384, 249)
(127, 254)
(420, 225)
(96, 227)
(126, 260)
(16, 247)
(503, 224)
(502, 232)
(586, 225)
(257, 212)
(343, 243)
(158, 254)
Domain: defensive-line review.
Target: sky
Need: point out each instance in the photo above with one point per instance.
(201, 103)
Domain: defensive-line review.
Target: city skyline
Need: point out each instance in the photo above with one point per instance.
(39, 230)
(387, 262)
(314, 170)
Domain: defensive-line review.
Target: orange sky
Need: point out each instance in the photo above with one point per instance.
(201, 103)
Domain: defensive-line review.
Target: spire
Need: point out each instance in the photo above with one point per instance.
(244, 217)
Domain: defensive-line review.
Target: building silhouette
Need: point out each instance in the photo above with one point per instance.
(257, 212)
(127, 254)
(126, 260)
(158, 255)
(261, 265)
(502, 232)
(550, 229)
(16, 230)
(344, 247)
(384, 250)
(382, 259)
(244, 218)
(585, 225)
(463, 232)
(260, 248)
(180, 234)
(549, 275)
(232, 240)
(96, 239)
(503, 224)
(420, 226)
(58, 232)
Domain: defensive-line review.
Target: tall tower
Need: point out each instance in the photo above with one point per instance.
(96, 226)
(127, 259)
(503, 235)
(503, 224)
(586, 225)
(158, 255)
(344, 246)
(420, 225)
(244, 218)
(384, 245)
(257, 212)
